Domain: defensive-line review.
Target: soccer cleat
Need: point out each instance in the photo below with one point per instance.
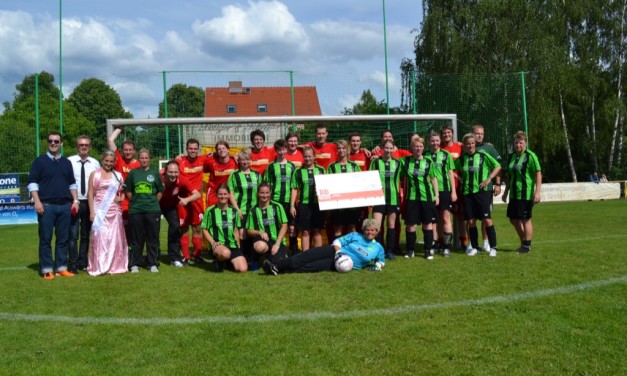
(134, 269)
(269, 268)
(389, 256)
(486, 247)
(65, 273)
(48, 275)
(446, 253)
(154, 269)
(176, 264)
(523, 250)
(429, 254)
(409, 254)
(185, 262)
(471, 251)
(492, 252)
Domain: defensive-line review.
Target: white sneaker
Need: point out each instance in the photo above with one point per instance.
(176, 264)
(492, 252)
(447, 252)
(134, 269)
(471, 251)
(486, 246)
(153, 269)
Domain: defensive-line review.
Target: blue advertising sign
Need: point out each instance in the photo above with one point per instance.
(9, 188)
(17, 214)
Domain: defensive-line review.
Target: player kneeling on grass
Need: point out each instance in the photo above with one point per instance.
(267, 225)
(220, 226)
(362, 249)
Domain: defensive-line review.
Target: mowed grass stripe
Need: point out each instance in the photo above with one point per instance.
(315, 315)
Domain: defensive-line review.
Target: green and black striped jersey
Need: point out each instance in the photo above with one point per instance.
(244, 188)
(522, 170)
(442, 163)
(303, 180)
(279, 175)
(475, 169)
(337, 168)
(389, 172)
(419, 173)
(222, 224)
(268, 220)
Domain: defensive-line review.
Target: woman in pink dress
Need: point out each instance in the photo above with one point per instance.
(108, 253)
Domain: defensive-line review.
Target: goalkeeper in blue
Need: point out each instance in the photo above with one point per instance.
(362, 249)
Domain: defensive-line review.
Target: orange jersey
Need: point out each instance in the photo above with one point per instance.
(218, 174)
(260, 160)
(192, 170)
(360, 160)
(325, 154)
(296, 158)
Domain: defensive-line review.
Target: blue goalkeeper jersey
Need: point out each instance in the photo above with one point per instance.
(361, 250)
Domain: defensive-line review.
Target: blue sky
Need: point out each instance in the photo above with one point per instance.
(335, 45)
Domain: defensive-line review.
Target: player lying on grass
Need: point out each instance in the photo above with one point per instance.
(362, 249)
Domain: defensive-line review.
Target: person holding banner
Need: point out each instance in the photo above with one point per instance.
(422, 197)
(343, 218)
(108, 253)
(309, 219)
(524, 188)
(389, 170)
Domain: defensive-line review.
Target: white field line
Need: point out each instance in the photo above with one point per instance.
(570, 240)
(313, 316)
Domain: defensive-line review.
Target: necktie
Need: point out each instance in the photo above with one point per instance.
(83, 178)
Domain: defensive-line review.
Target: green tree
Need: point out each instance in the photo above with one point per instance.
(97, 102)
(18, 133)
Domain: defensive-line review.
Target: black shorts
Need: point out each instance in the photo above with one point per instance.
(519, 209)
(477, 205)
(386, 209)
(420, 212)
(291, 221)
(235, 252)
(445, 201)
(345, 217)
(308, 217)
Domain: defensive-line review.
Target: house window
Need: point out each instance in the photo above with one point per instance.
(231, 108)
(262, 108)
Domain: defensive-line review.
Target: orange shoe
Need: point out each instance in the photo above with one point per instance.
(65, 273)
(48, 275)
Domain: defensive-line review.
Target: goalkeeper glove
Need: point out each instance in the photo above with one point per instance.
(377, 267)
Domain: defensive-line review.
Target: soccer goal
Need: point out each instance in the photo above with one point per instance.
(166, 138)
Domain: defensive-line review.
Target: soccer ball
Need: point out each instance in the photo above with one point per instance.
(344, 264)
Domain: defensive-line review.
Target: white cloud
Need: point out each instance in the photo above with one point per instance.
(263, 30)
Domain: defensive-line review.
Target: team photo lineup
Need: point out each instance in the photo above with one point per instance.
(259, 208)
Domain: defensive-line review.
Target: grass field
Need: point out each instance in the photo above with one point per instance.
(560, 310)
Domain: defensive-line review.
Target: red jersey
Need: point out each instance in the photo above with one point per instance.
(218, 174)
(296, 158)
(192, 171)
(170, 196)
(455, 149)
(124, 168)
(325, 154)
(360, 160)
(260, 160)
(396, 154)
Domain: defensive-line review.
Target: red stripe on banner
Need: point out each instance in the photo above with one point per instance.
(350, 195)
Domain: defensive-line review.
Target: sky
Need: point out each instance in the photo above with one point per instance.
(336, 45)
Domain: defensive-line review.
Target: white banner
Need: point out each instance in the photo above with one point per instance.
(576, 192)
(350, 190)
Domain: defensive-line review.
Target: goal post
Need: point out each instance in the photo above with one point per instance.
(166, 137)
